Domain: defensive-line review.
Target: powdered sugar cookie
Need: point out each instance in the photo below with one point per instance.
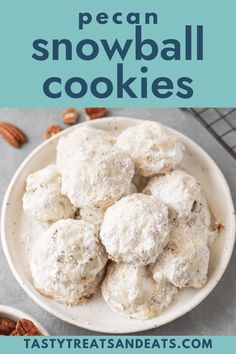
(152, 146)
(184, 261)
(181, 192)
(135, 229)
(69, 145)
(131, 291)
(43, 200)
(68, 261)
(97, 173)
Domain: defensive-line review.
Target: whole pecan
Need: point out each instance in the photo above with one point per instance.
(52, 130)
(70, 116)
(25, 328)
(6, 326)
(13, 135)
(94, 113)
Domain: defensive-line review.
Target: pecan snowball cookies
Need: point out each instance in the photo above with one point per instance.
(68, 261)
(182, 193)
(119, 198)
(135, 229)
(70, 144)
(97, 173)
(43, 200)
(131, 290)
(184, 261)
(152, 146)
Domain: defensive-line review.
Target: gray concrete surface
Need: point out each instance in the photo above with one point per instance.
(214, 316)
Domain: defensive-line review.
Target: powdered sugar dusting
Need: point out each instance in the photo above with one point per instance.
(135, 229)
(67, 261)
(130, 290)
(152, 146)
(98, 173)
(43, 200)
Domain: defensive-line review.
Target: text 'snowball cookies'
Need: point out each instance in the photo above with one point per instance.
(135, 229)
(96, 174)
(181, 192)
(131, 291)
(184, 261)
(152, 146)
(43, 200)
(68, 261)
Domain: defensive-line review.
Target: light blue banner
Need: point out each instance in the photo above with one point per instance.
(202, 35)
(115, 344)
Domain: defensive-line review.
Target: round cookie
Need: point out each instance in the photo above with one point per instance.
(68, 261)
(43, 200)
(184, 261)
(131, 291)
(135, 229)
(152, 146)
(69, 145)
(182, 193)
(97, 173)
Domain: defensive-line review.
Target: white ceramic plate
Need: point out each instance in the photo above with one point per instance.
(96, 315)
(14, 314)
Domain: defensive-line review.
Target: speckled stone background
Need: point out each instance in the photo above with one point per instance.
(214, 316)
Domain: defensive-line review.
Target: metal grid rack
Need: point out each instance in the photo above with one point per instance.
(221, 123)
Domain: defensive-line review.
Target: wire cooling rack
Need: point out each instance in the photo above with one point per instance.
(221, 123)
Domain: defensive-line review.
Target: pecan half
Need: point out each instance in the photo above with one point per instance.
(13, 135)
(52, 130)
(6, 326)
(25, 328)
(70, 116)
(94, 113)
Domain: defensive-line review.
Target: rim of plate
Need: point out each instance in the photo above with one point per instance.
(203, 293)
